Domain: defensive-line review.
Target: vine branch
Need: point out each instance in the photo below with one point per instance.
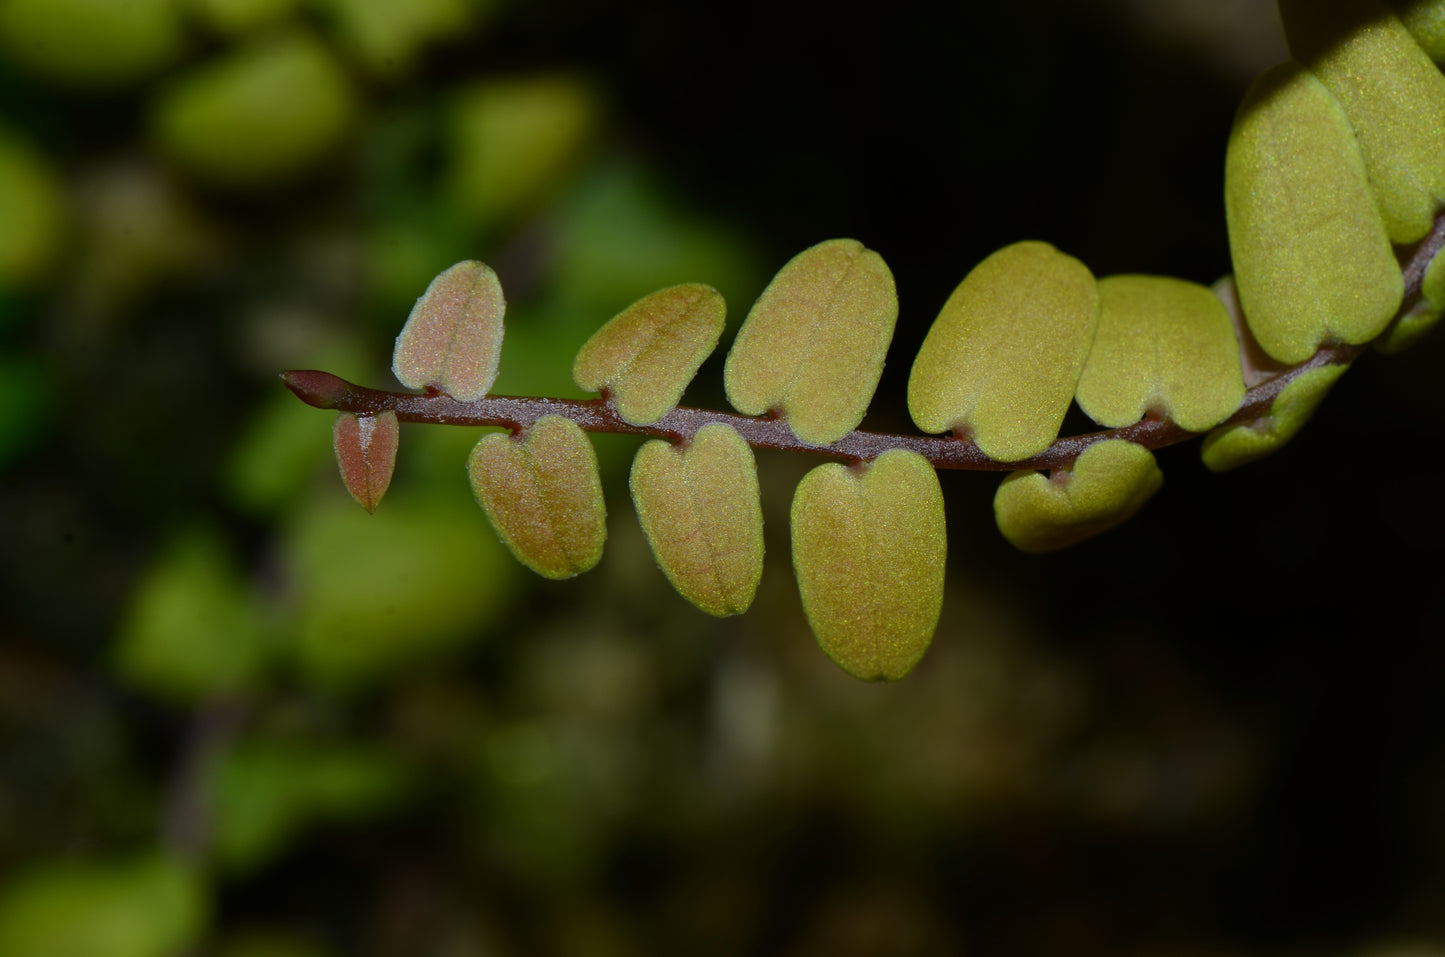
(326, 391)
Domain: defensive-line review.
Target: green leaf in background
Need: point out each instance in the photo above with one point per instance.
(388, 35)
(192, 629)
(32, 210)
(376, 592)
(257, 115)
(615, 236)
(28, 399)
(151, 906)
(267, 794)
(274, 457)
(233, 18)
(1425, 19)
(512, 143)
(97, 43)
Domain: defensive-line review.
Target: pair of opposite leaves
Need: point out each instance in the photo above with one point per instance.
(1335, 159)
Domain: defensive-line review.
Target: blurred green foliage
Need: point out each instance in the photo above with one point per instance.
(240, 717)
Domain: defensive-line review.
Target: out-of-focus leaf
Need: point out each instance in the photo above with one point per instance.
(96, 43)
(27, 397)
(258, 115)
(276, 454)
(1425, 19)
(192, 629)
(235, 18)
(387, 36)
(151, 906)
(267, 794)
(32, 211)
(813, 344)
(512, 143)
(373, 593)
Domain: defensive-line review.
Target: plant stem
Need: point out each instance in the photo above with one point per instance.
(326, 391)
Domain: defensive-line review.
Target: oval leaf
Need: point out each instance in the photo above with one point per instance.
(453, 337)
(1393, 94)
(1312, 260)
(648, 353)
(868, 550)
(1235, 445)
(366, 453)
(1164, 345)
(543, 495)
(1108, 483)
(699, 507)
(812, 347)
(1003, 358)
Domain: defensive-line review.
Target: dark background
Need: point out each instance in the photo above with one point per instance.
(1212, 731)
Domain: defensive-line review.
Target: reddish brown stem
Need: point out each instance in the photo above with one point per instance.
(326, 391)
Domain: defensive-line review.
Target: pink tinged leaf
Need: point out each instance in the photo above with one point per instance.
(366, 452)
(453, 337)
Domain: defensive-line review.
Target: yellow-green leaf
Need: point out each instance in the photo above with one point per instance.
(1163, 345)
(699, 507)
(1108, 483)
(1235, 445)
(366, 454)
(543, 495)
(647, 354)
(1393, 94)
(868, 550)
(1312, 260)
(513, 142)
(34, 213)
(1412, 326)
(812, 347)
(146, 906)
(453, 337)
(1004, 355)
(1425, 19)
(257, 115)
(96, 43)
